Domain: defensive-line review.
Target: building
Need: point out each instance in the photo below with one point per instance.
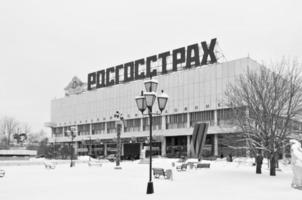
(196, 93)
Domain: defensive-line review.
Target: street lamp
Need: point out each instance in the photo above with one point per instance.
(146, 100)
(72, 132)
(119, 125)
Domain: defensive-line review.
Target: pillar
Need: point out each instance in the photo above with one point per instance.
(141, 128)
(163, 146)
(75, 146)
(105, 149)
(90, 129)
(215, 143)
(105, 128)
(163, 123)
(188, 146)
(188, 120)
(215, 118)
(77, 133)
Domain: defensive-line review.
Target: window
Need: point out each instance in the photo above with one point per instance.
(111, 127)
(66, 128)
(225, 117)
(58, 132)
(98, 128)
(84, 129)
(156, 123)
(203, 116)
(176, 121)
(132, 125)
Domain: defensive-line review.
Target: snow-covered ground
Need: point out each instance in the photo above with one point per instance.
(224, 180)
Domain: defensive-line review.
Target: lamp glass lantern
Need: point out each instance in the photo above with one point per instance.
(150, 98)
(151, 85)
(162, 100)
(141, 103)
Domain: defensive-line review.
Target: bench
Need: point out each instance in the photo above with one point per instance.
(203, 165)
(49, 165)
(182, 167)
(157, 172)
(2, 173)
(191, 165)
(169, 174)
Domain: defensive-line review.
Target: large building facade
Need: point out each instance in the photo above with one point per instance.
(196, 94)
(195, 80)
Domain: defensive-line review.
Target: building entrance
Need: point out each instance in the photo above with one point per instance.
(131, 151)
(176, 146)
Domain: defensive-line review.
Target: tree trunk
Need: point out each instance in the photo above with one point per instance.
(272, 165)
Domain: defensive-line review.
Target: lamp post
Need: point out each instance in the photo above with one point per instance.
(72, 132)
(146, 100)
(120, 118)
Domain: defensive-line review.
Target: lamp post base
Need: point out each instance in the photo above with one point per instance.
(150, 189)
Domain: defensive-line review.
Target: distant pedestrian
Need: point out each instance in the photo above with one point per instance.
(221, 156)
(259, 160)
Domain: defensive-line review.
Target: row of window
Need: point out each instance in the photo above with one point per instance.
(172, 122)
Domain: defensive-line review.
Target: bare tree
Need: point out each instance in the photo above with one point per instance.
(36, 137)
(25, 128)
(8, 126)
(265, 103)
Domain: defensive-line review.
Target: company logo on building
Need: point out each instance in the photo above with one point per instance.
(76, 86)
(185, 57)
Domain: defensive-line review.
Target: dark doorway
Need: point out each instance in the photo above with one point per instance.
(131, 151)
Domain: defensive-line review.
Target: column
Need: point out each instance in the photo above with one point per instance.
(75, 146)
(142, 154)
(105, 127)
(77, 129)
(105, 149)
(163, 122)
(215, 145)
(188, 146)
(90, 129)
(188, 120)
(163, 146)
(141, 127)
(215, 118)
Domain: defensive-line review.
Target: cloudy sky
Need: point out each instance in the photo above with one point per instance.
(43, 44)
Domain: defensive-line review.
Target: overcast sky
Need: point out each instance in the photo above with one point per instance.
(43, 44)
